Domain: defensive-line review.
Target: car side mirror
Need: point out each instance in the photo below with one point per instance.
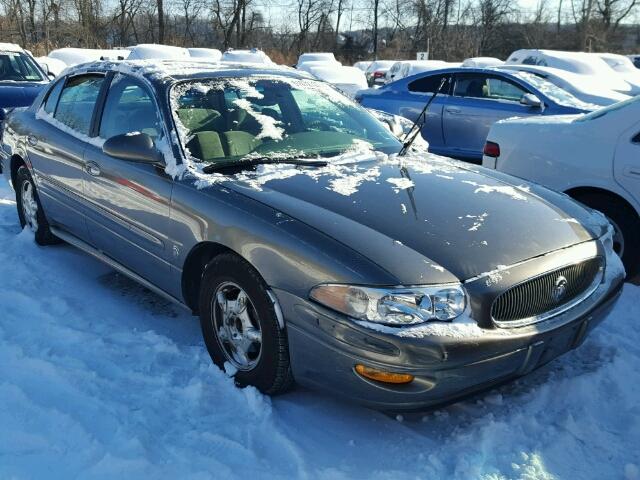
(530, 100)
(133, 147)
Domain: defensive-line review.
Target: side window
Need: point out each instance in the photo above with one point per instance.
(531, 60)
(53, 96)
(474, 86)
(499, 89)
(77, 101)
(429, 84)
(129, 108)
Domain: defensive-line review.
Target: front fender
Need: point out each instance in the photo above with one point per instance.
(288, 254)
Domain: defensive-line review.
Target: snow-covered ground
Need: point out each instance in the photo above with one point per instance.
(102, 379)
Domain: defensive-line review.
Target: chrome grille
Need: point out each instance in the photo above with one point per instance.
(546, 295)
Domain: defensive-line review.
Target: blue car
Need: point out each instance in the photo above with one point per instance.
(21, 78)
(469, 102)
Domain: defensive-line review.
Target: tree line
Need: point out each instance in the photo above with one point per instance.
(353, 29)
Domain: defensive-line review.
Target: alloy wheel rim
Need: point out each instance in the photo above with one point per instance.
(29, 205)
(236, 325)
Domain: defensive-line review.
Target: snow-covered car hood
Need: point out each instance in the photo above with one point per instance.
(454, 218)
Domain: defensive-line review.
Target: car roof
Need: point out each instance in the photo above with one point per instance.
(160, 72)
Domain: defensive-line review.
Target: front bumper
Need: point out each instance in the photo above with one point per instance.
(325, 347)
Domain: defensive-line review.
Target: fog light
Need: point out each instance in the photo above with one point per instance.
(382, 376)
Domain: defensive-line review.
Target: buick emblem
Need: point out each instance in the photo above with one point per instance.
(559, 289)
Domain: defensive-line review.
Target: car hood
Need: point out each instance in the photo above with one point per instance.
(18, 94)
(424, 219)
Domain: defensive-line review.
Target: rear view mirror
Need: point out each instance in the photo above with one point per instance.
(133, 147)
(530, 100)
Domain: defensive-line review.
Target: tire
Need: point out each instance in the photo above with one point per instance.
(626, 228)
(30, 211)
(231, 337)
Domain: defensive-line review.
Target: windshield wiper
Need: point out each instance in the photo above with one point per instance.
(250, 162)
(416, 128)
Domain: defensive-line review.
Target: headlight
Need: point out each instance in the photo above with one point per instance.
(394, 306)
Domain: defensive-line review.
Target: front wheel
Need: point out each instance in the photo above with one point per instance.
(240, 326)
(30, 210)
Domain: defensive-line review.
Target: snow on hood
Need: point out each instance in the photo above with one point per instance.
(422, 204)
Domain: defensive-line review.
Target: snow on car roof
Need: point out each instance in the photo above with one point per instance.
(206, 53)
(156, 51)
(482, 62)
(317, 57)
(247, 56)
(11, 47)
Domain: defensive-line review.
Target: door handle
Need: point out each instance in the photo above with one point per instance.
(93, 169)
(31, 140)
(453, 110)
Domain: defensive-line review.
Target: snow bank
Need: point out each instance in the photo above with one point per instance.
(102, 379)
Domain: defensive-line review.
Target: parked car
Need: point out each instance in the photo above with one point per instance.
(408, 68)
(21, 78)
(470, 102)
(269, 206)
(576, 62)
(253, 55)
(205, 54)
(592, 158)
(349, 80)
(482, 62)
(153, 51)
(583, 87)
(376, 72)
(362, 65)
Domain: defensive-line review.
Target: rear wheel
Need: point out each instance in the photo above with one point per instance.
(626, 228)
(240, 326)
(30, 210)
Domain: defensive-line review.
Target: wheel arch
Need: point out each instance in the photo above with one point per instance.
(197, 259)
(15, 163)
(577, 192)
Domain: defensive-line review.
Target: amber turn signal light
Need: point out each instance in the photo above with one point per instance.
(382, 376)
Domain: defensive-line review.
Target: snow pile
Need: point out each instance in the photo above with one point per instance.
(102, 379)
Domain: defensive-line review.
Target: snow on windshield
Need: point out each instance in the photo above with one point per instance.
(228, 120)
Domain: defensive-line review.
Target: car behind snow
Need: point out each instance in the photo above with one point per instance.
(278, 211)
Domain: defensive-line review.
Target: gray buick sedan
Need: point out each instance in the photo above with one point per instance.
(280, 212)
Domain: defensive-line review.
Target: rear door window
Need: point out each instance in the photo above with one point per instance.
(77, 102)
(429, 84)
(487, 87)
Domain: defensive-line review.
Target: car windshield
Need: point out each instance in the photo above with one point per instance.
(601, 112)
(18, 67)
(552, 91)
(227, 120)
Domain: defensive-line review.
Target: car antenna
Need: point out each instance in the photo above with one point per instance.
(415, 129)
